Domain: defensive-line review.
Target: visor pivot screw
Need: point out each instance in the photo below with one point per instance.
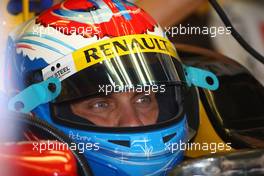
(52, 87)
(186, 73)
(19, 105)
(209, 80)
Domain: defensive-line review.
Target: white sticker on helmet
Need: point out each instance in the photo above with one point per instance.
(62, 68)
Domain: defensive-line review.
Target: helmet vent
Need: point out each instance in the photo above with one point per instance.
(168, 137)
(120, 142)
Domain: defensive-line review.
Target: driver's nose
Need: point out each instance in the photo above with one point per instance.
(129, 117)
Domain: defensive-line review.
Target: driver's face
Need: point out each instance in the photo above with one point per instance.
(127, 109)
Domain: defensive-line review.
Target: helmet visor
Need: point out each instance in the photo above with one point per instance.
(124, 109)
(140, 89)
(122, 74)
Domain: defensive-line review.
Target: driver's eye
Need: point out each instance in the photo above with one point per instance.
(145, 99)
(100, 105)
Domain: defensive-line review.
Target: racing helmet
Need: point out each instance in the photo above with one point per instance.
(106, 49)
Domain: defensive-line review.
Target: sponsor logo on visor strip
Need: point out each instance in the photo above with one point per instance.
(107, 49)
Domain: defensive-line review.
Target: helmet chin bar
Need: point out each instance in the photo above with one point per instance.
(35, 95)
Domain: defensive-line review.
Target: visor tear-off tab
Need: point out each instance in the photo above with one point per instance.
(35, 95)
(201, 78)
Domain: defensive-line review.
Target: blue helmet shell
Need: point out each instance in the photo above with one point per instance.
(151, 152)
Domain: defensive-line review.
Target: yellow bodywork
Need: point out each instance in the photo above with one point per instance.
(206, 135)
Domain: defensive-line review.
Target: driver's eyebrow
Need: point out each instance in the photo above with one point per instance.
(112, 95)
(141, 93)
(100, 96)
(87, 99)
(137, 93)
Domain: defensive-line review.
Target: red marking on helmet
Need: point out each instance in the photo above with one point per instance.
(24, 46)
(262, 30)
(140, 23)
